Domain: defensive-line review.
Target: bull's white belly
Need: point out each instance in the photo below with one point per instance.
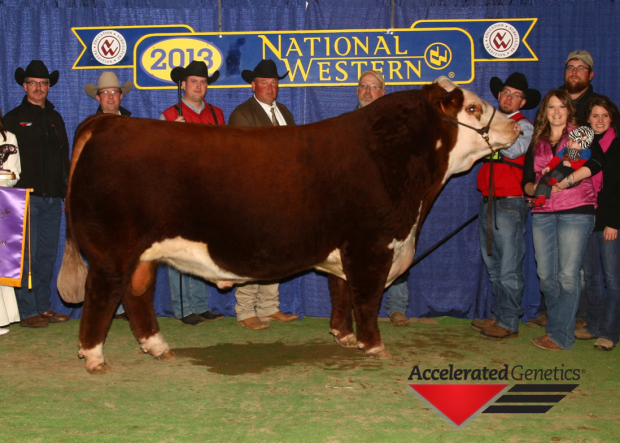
(191, 258)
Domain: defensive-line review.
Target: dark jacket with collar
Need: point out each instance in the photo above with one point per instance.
(251, 113)
(43, 148)
(608, 209)
(580, 104)
(122, 110)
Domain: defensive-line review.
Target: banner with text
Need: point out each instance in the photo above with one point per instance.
(312, 58)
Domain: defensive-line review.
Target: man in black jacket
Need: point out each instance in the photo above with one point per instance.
(44, 152)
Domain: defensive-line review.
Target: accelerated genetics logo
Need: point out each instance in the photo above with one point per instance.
(460, 402)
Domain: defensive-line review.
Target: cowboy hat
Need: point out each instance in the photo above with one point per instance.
(36, 69)
(518, 81)
(264, 69)
(196, 68)
(107, 80)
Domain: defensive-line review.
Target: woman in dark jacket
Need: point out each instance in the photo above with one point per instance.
(602, 256)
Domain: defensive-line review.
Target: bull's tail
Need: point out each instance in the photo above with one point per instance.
(72, 277)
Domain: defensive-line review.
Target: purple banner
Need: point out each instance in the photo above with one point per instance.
(13, 204)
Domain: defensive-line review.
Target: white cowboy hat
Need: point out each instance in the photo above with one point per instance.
(107, 80)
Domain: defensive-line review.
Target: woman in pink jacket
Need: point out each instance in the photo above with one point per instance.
(562, 226)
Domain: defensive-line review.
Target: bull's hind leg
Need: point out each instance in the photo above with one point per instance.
(366, 275)
(341, 322)
(101, 298)
(138, 302)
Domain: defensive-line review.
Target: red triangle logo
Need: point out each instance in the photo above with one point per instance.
(458, 402)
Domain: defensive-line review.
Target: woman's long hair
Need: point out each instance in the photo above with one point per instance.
(608, 105)
(542, 128)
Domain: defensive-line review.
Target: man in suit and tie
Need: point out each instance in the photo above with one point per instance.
(259, 303)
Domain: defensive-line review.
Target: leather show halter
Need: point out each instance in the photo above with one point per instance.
(484, 133)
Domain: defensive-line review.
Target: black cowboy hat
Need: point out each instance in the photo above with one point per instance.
(36, 69)
(197, 68)
(518, 81)
(264, 69)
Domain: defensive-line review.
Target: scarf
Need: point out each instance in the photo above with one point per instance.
(605, 142)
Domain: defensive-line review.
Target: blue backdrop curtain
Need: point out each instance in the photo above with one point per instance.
(453, 280)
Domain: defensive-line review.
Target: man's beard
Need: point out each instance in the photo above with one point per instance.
(574, 88)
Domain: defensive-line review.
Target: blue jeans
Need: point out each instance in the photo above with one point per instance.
(45, 214)
(602, 258)
(559, 246)
(505, 264)
(397, 298)
(195, 294)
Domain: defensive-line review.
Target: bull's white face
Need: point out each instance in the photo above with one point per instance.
(470, 146)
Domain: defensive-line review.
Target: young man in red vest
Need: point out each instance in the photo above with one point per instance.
(191, 308)
(503, 206)
(194, 81)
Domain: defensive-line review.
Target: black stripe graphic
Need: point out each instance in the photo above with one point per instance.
(542, 388)
(530, 398)
(516, 409)
(529, 409)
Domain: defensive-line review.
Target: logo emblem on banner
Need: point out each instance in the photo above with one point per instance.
(438, 56)
(109, 47)
(501, 40)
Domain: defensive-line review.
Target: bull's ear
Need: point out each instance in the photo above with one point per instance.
(447, 102)
(445, 83)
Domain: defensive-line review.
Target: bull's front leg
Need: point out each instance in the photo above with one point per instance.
(341, 322)
(366, 274)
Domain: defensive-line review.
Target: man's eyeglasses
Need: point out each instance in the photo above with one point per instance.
(372, 87)
(580, 68)
(43, 84)
(106, 93)
(516, 95)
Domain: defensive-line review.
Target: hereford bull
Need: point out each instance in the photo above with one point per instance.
(346, 196)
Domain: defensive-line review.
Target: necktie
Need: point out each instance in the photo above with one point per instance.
(274, 120)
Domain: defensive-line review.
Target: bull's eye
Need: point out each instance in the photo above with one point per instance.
(471, 109)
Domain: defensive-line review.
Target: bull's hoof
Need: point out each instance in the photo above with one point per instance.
(166, 356)
(101, 368)
(378, 352)
(348, 341)
(381, 355)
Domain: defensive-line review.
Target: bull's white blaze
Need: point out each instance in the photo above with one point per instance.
(154, 345)
(191, 258)
(438, 145)
(470, 146)
(93, 356)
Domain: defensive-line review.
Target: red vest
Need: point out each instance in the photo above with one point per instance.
(205, 117)
(506, 178)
